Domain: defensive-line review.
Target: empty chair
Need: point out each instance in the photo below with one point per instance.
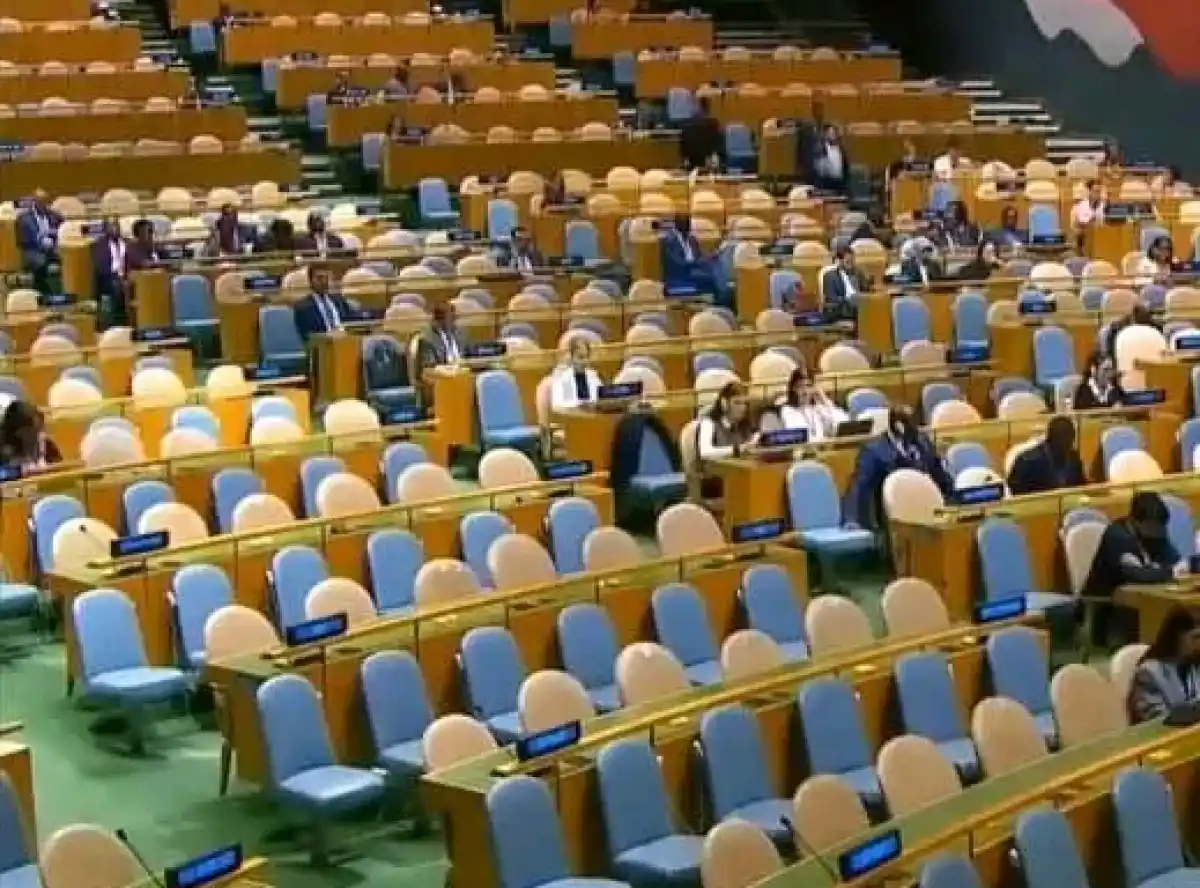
(682, 626)
(1118, 439)
(477, 532)
(344, 493)
(836, 624)
(230, 487)
(454, 738)
(338, 595)
(49, 514)
(313, 471)
(569, 521)
(527, 840)
(442, 581)
(260, 510)
(183, 524)
(911, 606)
(423, 482)
(644, 847)
(80, 542)
(967, 455)
(735, 772)
(517, 561)
(747, 653)
(910, 321)
(1085, 705)
(587, 645)
(199, 418)
(773, 608)
(687, 529)
(550, 698)
(398, 711)
(1053, 356)
(501, 416)
(505, 467)
(86, 856)
(737, 854)
(1151, 848)
(1006, 568)
(827, 812)
(816, 512)
(398, 457)
(294, 572)
(393, 559)
(835, 736)
(1048, 854)
(914, 774)
(140, 497)
(197, 591)
(302, 770)
(433, 203)
(1123, 665)
(647, 672)
(492, 672)
(610, 548)
(929, 707)
(1006, 736)
(1020, 671)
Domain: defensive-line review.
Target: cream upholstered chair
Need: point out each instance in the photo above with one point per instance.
(610, 548)
(708, 323)
(1136, 343)
(836, 624)
(443, 580)
(1006, 736)
(914, 774)
(260, 510)
(424, 481)
(550, 698)
(344, 493)
(226, 381)
(350, 416)
(274, 430)
(827, 812)
(954, 412)
(21, 300)
(452, 739)
(235, 629)
(87, 856)
(183, 442)
(1085, 705)
(749, 652)
(647, 671)
(769, 366)
(1131, 466)
(911, 496)
(50, 348)
(158, 387)
(109, 446)
(516, 561)
(842, 359)
(182, 523)
(688, 529)
(1121, 668)
(74, 395)
(505, 467)
(80, 541)
(1020, 405)
(911, 606)
(339, 595)
(737, 854)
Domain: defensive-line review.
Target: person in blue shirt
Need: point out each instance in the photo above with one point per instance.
(902, 446)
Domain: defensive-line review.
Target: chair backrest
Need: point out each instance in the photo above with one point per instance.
(1146, 825)
(1048, 853)
(682, 625)
(827, 812)
(199, 590)
(687, 529)
(910, 496)
(86, 856)
(646, 672)
(734, 760)
(478, 532)
(1085, 705)
(140, 497)
(230, 487)
(587, 644)
(1053, 355)
(234, 630)
(313, 471)
(443, 580)
(1006, 736)
(549, 698)
(293, 727)
(107, 633)
(1080, 546)
(498, 400)
(454, 738)
(182, 523)
(526, 835)
(505, 467)
(259, 510)
(397, 703)
(15, 844)
(771, 604)
(737, 854)
(928, 699)
(393, 559)
(914, 774)
(424, 481)
(813, 496)
(836, 624)
(949, 871)
(79, 541)
(49, 514)
(339, 595)
(1132, 466)
(633, 795)
(835, 735)
(1018, 665)
(492, 670)
(569, 522)
(344, 493)
(294, 571)
(911, 606)
(1123, 665)
(749, 652)
(396, 459)
(610, 548)
(1004, 559)
(517, 561)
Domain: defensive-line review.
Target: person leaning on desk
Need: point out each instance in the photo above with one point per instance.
(1053, 464)
(1168, 674)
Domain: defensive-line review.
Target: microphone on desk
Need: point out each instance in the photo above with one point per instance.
(86, 531)
(123, 838)
(809, 851)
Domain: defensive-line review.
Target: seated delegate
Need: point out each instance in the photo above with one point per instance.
(575, 381)
(1053, 464)
(322, 311)
(841, 286)
(24, 444)
(806, 406)
(1100, 386)
(727, 428)
(685, 266)
(902, 446)
(1168, 675)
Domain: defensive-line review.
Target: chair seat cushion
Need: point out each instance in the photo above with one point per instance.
(838, 540)
(794, 651)
(512, 435)
(659, 484)
(404, 759)
(673, 860)
(505, 727)
(705, 673)
(18, 599)
(333, 789)
(769, 816)
(1184, 877)
(605, 698)
(142, 685)
(962, 754)
(21, 877)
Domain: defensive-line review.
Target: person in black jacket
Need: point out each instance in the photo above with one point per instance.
(701, 139)
(1100, 386)
(983, 266)
(1136, 549)
(1052, 465)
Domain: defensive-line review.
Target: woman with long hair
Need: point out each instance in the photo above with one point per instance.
(806, 406)
(1168, 675)
(23, 441)
(728, 426)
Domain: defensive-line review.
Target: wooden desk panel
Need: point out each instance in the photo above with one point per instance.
(868, 105)
(40, 11)
(84, 44)
(405, 165)
(228, 124)
(184, 12)
(115, 369)
(655, 77)
(251, 44)
(347, 124)
(295, 83)
(603, 39)
(539, 12)
(21, 178)
(82, 86)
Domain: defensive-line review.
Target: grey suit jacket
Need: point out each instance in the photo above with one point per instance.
(1157, 687)
(431, 348)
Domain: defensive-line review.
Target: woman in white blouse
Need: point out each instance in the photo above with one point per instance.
(1155, 266)
(726, 428)
(805, 406)
(575, 381)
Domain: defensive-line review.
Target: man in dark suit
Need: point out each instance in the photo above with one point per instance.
(701, 139)
(920, 266)
(110, 252)
(520, 254)
(322, 311)
(842, 285)
(443, 341)
(37, 236)
(685, 267)
(1052, 465)
(142, 251)
(319, 239)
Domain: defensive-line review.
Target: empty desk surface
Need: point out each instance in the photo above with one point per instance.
(603, 38)
(654, 77)
(30, 85)
(250, 44)
(226, 123)
(82, 44)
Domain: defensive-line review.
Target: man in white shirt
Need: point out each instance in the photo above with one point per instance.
(831, 165)
(109, 263)
(945, 166)
(443, 342)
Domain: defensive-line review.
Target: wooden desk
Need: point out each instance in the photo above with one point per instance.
(655, 77)
(115, 367)
(23, 328)
(871, 103)
(347, 124)
(296, 81)
(226, 123)
(81, 45)
(36, 11)
(86, 86)
(434, 636)
(16, 764)
(539, 12)
(250, 44)
(405, 165)
(599, 38)
(457, 794)
(20, 178)
(184, 12)
(1154, 603)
